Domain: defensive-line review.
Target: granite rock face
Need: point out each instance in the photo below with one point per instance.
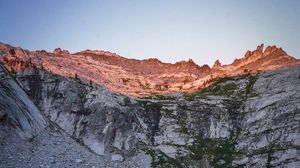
(270, 130)
(16, 109)
(92, 114)
(249, 121)
(239, 119)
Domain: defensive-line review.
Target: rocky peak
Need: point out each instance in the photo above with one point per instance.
(270, 50)
(190, 62)
(273, 49)
(217, 64)
(153, 60)
(98, 52)
(255, 53)
(59, 51)
(260, 48)
(42, 51)
(248, 54)
(205, 67)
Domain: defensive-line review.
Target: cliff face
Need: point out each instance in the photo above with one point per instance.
(85, 111)
(16, 109)
(240, 121)
(248, 120)
(141, 77)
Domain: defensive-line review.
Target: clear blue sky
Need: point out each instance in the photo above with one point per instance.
(171, 30)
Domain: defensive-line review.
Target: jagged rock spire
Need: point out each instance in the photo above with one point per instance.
(217, 64)
(59, 51)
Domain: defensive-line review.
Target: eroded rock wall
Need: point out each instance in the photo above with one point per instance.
(17, 111)
(239, 121)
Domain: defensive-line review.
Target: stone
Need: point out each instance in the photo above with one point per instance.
(78, 160)
(117, 157)
(59, 51)
(2, 115)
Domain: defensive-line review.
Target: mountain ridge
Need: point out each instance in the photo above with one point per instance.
(142, 77)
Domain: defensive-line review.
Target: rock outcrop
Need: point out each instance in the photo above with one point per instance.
(58, 51)
(217, 64)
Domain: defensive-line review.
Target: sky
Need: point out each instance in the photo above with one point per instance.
(170, 30)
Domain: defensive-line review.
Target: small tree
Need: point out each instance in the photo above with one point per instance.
(5, 59)
(12, 52)
(30, 62)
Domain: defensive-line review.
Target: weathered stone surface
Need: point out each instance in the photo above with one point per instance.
(240, 121)
(90, 113)
(16, 109)
(117, 157)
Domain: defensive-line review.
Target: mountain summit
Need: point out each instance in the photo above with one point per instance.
(141, 77)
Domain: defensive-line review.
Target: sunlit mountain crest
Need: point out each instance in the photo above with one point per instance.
(142, 77)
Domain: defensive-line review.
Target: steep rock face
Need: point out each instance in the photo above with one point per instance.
(17, 111)
(98, 118)
(250, 121)
(241, 121)
(270, 132)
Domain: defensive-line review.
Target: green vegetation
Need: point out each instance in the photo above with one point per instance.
(226, 87)
(168, 113)
(164, 97)
(233, 105)
(151, 106)
(219, 152)
(160, 97)
(217, 89)
(184, 130)
(249, 88)
(159, 159)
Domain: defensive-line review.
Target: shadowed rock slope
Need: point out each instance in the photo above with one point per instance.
(16, 109)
